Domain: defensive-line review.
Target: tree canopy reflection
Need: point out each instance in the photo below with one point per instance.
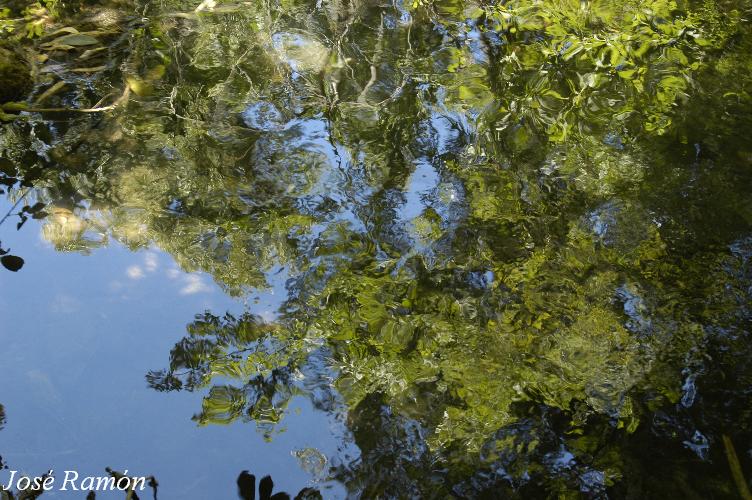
(517, 235)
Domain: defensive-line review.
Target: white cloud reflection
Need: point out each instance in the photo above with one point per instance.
(150, 262)
(135, 272)
(194, 284)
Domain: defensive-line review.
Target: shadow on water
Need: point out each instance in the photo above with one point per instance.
(511, 242)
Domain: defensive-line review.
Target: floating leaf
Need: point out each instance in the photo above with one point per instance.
(90, 52)
(58, 47)
(67, 29)
(76, 40)
(15, 106)
(138, 86)
(51, 91)
(94, 69)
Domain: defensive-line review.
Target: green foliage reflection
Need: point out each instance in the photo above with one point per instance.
(517, 235)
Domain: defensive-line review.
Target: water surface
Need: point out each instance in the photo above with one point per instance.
(390, 250)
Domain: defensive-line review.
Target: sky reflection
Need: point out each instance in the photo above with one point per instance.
(80, 332)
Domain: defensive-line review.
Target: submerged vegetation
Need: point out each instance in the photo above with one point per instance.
(516, 236)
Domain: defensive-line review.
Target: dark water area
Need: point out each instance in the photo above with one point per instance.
(437, 249)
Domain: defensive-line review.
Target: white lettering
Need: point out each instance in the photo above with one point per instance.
(87, 483)
(104, 482)
(8, 486)
(72, 481)
(48, 482)
(138, 480)
(120, 483)
(26, 483)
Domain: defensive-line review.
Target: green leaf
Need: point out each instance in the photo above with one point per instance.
(75, 40)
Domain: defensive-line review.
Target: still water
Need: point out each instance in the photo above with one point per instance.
(430, 249)
(86, 330)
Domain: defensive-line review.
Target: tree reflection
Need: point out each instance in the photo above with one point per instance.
(517, 235)
(244, 349)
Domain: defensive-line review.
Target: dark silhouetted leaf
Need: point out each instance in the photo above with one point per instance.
(11, 262)
(35, 208)
(308, 494)
(266, 486)
(247, 486)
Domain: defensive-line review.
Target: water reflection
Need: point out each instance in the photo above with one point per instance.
(247, 489)
(74, 367)
(498, 256)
